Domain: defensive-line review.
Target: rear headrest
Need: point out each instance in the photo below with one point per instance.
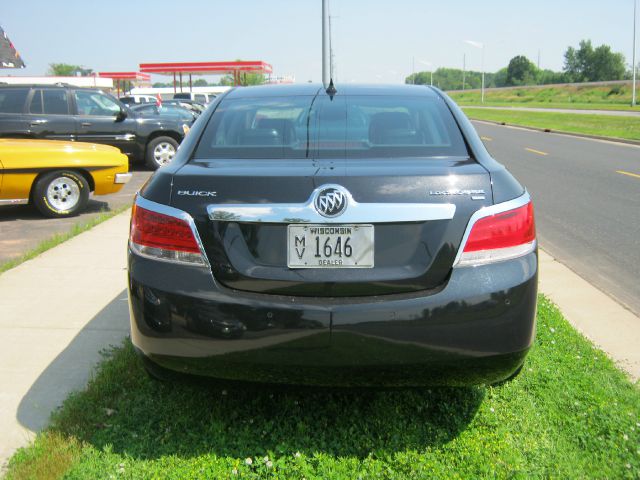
(282, 127)
(333, 114)
(384, 123)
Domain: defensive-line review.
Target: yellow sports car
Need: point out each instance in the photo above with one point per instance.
(58, 176)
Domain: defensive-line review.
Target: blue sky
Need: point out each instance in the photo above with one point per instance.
(374, 40)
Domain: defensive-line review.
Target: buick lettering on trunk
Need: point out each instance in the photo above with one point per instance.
(361, 237)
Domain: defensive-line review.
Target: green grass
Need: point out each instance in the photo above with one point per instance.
(572, 106)
(613, 97)
(600, 125)
(59, 238)
(570, 414)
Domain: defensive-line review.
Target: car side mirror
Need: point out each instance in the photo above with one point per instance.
(121, 115)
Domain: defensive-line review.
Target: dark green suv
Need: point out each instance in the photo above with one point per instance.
(61, 112)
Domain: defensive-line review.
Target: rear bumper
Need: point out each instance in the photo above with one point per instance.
(477, 329)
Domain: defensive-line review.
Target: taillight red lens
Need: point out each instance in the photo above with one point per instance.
(503, 230)
(153, 229)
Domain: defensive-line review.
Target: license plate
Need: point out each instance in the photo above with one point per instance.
(330, 246)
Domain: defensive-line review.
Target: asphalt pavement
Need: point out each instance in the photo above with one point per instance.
(22, 227)
(587, 201)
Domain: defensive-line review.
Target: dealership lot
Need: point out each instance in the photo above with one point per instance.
(24, 228)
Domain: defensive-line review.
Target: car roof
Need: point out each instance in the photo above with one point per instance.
(47, 85)
(346, 89)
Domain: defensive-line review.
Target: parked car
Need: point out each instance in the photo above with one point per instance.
(358, 238)
(57, 176)
(203, 98)
(88, 115)
(172, 111)
(137, 99)
(195, 107)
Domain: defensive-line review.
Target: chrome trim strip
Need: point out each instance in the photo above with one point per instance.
(14, 201)
(127, 137)
(122, 177)
(487, 212)
(176, 213)
(354, 213)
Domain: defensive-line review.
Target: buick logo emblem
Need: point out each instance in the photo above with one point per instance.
(331, 201)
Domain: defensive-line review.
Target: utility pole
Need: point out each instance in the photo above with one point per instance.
(633, 63)
(464, 68)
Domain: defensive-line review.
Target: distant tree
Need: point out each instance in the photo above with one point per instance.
(201, 82)
(521, 71)
(586, 64)
(160, 85)
(450, 79)
(546, 77)
(67, 70)
(246, 79)
(500, 77)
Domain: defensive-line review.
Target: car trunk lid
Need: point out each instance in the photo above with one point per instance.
(250, 251)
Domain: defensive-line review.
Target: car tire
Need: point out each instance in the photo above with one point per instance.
(61, 193)
(160, 152)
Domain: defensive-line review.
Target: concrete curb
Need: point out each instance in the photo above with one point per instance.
(605, 322)
(559, 132)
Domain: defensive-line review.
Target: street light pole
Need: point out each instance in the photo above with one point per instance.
(464, 68)
(413, 70)
(633, 63)
(479, 45)
(482, 94)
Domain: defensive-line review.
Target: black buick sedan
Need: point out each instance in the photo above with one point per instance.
(359, 238)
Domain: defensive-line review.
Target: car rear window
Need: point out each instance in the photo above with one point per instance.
(322, 127)
(12, 99)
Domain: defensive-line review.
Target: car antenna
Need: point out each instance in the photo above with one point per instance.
(327, 70)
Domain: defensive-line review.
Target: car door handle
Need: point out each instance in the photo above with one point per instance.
(86, 124)
(37, 122)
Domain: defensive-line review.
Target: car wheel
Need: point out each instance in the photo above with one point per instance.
(61, 193)
(160, 152)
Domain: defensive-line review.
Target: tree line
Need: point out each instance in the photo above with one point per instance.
(582, 64)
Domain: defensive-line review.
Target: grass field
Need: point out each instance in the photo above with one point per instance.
(616, 97)
(600, 125)
(570, 414)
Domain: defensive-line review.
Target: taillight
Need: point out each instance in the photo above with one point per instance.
(501, 236)
(164, 237)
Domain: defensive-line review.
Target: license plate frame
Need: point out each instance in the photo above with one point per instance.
(302, 253)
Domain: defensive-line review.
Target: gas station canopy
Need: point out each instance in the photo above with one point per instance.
(132, 76)
(207, 68)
